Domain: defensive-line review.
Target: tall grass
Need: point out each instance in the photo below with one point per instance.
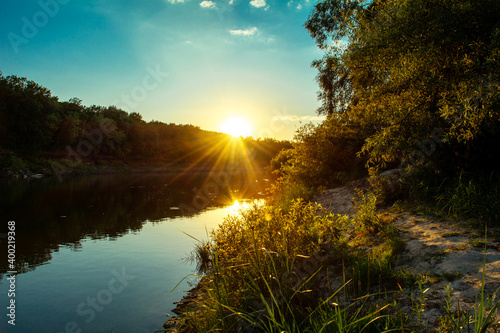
(286, 190)
(484, 310)
(475, 196)
(267, 274)
(269, 269)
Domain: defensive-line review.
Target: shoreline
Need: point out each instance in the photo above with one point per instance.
(186, 304)
(89, 170)
(447, 252)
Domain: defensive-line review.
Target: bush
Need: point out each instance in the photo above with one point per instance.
(13, 164)
(259, 274)
(388, 187)
(286, 190)
(366, 212)
(323, 155)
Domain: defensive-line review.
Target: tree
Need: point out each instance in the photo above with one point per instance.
(30, 114)
(409, 68)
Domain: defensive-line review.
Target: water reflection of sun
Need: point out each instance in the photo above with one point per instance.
(238, 206)
(223, 159)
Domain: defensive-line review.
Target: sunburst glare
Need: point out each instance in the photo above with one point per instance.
(236, 127)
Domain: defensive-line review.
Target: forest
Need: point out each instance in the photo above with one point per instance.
(40, 133)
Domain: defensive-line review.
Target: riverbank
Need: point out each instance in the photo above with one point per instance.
(431, 269)
(189, 303)
(40, 168)
(16, 167)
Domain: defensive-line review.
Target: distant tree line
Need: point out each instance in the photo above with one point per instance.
(35, 123)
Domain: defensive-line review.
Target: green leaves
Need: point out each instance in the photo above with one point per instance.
(333, 19)
(412, 67)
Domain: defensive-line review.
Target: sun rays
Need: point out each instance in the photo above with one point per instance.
(237, 127)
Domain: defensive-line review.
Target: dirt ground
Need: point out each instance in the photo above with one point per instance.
(451, 250)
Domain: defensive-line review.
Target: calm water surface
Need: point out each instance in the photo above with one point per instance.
(102, 253)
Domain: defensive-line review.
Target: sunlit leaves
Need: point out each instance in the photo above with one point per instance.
(411, 67)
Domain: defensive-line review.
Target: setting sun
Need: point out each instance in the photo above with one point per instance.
(236, 127)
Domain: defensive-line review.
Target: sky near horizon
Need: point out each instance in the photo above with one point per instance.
(183, 61)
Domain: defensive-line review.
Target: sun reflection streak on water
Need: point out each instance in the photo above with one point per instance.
(239, 206)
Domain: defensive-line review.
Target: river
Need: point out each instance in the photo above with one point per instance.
(103, 253)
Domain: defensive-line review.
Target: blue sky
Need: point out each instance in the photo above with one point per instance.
(190, 61)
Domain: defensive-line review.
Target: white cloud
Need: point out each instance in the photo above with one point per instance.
(298, 4)
(247, 32)
(207, 4)
(258, 3)
(175, 1)
(231, 1)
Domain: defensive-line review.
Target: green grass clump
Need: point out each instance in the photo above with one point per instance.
(265, 270)
(480, 320)
(286, 190)
(366, 212)
(473, 196)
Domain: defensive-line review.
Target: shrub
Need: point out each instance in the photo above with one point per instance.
(286, 190)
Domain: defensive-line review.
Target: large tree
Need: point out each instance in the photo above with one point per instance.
(29, 114)
(422, 75)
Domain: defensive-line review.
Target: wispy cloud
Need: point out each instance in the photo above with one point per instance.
(299, 118)
(247, 32)
(207, 4)
(258, 3)
(175, 1)
(298, 4)
(231, 1)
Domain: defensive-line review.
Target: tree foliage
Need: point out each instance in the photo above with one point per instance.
(404, 70)
(323, 155)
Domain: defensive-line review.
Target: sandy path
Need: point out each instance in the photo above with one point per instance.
(449, 252)
(452, 253)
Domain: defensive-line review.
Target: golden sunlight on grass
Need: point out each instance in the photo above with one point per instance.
(236, 127)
